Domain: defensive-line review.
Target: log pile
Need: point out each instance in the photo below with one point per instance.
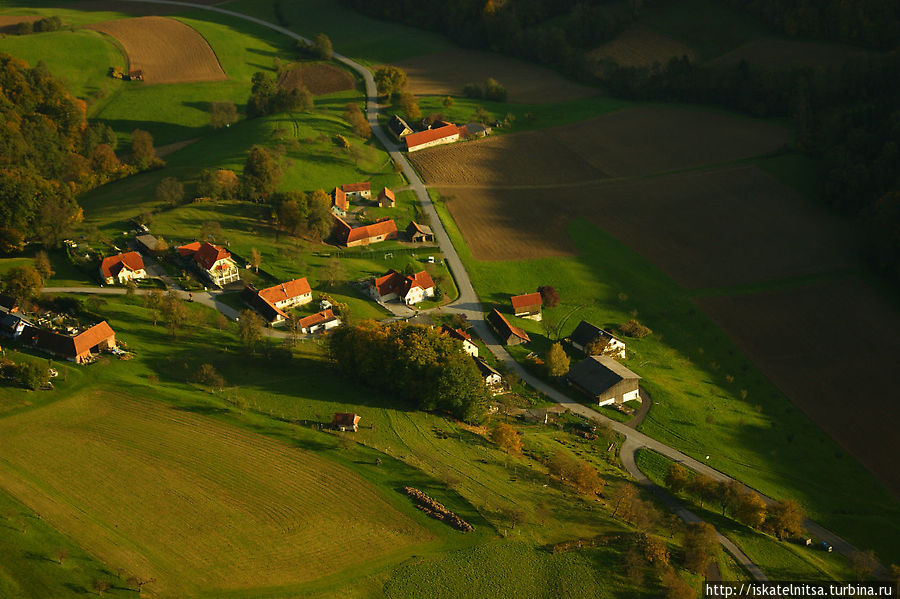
(436, 509)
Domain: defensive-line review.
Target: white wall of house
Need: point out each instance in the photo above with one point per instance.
(444, 140)
(353, 195)
(470, 348)
(297, 300)
(631, 395)
(492, 379)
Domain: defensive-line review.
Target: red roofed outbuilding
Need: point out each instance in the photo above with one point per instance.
(378, 231)
(509, 334)
(446, 134)
(527, 305)
(320, 321)
(386, 198)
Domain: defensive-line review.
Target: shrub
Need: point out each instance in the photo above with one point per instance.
(472, 90)
(633, 328)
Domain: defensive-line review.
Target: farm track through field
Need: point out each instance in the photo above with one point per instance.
(468, 303)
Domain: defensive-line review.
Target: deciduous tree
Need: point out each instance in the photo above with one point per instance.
(42, 264)
(785, 519)
(250, 330)
(507, 438)
(170, 191)
(23, 282)
(556, 361)
(143, 154)
(677, 478)
(700, 544)
(222, 114)
(255, 259)
(750, 510)
(390, 80)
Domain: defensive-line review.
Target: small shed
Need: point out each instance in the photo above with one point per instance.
(527, 305)
(344, 422)
(386, 199)
(419, 233)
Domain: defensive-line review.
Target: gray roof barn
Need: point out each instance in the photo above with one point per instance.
(599, 376)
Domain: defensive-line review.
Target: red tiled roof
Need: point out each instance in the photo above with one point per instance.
(501, 322)
(340, 199)
(394, 282)
(424, 137)
(386, 193)
(351, 187)
(285, 291)
(384, 227)
(189, 249)
(91, 337)
(209, 254)
(317, 318)
(112, 265)
(456, 333)
(528, 302)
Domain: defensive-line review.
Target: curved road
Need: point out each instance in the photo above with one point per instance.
(469, 305)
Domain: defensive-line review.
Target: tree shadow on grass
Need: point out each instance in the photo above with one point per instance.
(76, 588)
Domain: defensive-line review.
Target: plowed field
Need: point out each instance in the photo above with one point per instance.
(446, 73)
(641, 47)
(166, 50)
(830, 348)
(625, 143)
(318, 78)
(192, 502)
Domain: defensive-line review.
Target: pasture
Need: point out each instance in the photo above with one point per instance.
(446, 73)
(640, 47)
(838, 371)
(166, 50)
(230, 509)
(80, 59)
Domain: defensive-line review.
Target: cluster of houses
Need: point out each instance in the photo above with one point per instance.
(271, 303)
(383, 229)
(435, 134)
(74, 344)
(599, 375)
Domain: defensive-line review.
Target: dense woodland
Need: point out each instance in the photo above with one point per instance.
(49, 153)
(847, 118)
(413, 363)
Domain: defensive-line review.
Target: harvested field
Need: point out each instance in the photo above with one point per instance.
(168, 51)
(628, 142)
(446, 73)
(8, 22)
(640, 47)
(715, 228)
(532, 158)
(831, 348)
(195, 503)
(318, 78)
(781, 54)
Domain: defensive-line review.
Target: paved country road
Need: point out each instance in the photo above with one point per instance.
(469, 305)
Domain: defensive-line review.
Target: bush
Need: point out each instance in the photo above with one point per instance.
(473, 90)
(633, 328)
(32, 376)
(494, 91)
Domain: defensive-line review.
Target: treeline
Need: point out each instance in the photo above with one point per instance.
(413, 363)
(869, 23)
(848, 118)
(551, 32)
(49, 152)
(44, 25)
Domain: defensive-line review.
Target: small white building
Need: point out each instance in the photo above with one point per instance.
(320, 321)
(409, 289)
(491, 377)
(468, 347)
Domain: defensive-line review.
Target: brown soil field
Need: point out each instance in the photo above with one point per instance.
(708, 228)
(777, 53)
(831, 347)
(168, 51)
(639, 47)
(629, 142)
(318, 78)
(446, 73)
(8, 22)
(195, 503)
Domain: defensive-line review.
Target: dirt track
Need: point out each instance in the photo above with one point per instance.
(166, 50)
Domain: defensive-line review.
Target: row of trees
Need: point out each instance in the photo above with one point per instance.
(414, 363)
(492, 90)
(52, 23)
(267, 96)
(784, 519)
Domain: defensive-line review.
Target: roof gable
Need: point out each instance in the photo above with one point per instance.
(504, 327)
(91, 337)
(597, 374)
(112, 265)
(340, 199)
(209, 254)
(430, 135)
(286, 291)
(526, 302)
(317, 318)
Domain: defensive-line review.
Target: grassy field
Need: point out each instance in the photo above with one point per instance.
(80, 59)
(708, 398)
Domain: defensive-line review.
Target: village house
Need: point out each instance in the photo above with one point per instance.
(398, 127)
(448, 133)
(468, 347)
(491, 377)
(381, 230)
(272, 302)
(386, 199)
(605, 380)
(339, 203)
(419, 233)
(357, 191)
(345, 422)
(122, 268)
(320, 321)
(214, 262)
(527, 305)
(409, 289)
(78, 348)
(509, 334)
(588, 337)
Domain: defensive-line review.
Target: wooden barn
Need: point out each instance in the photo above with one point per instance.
(605, 380)
(509, 334)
